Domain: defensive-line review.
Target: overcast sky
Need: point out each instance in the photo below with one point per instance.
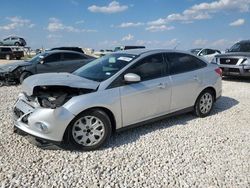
(106, 24)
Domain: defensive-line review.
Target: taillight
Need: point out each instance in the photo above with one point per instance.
(218, 71)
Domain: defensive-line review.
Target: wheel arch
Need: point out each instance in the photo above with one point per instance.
(212, 89)
(104, 109)
(22, 72)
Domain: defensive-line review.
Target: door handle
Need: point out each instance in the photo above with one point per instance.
(162, 86)
(196, 78)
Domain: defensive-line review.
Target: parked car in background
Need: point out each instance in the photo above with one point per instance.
(120, 48)
(115, 92)
(75, 49)
(13, 41)
(51, 61)
(236, 60)
(9, 53)
(206, 53)
(102, 53)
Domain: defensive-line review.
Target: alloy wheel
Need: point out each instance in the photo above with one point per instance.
(206, 103)
(88, 130)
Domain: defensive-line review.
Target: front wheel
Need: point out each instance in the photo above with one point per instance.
(90, 130)
(204, 103)
(23, 76)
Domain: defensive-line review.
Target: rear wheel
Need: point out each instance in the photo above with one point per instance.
(23, 76)
(90, 130)
(17, 44)
(204, 103)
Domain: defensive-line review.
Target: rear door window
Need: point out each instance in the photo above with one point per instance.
(181, 63)
(209, 51)
(72, 56)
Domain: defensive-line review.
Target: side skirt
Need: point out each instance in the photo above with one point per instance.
(183, 111)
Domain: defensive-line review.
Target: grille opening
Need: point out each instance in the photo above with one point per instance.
(229, 61)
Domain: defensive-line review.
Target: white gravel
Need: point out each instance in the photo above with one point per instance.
(182, 151)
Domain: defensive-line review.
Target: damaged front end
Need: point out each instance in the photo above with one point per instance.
(8, 78)
(42, 114)
(40, 111)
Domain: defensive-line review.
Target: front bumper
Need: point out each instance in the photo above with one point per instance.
(43, 123)
(235, 70)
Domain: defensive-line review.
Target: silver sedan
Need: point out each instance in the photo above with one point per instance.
(115, 92)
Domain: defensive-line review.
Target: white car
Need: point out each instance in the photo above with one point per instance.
(206, 53)
(115, 92)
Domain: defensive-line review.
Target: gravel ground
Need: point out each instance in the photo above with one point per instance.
(181, 151)
(7, 61)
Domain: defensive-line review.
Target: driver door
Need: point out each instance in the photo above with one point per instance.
(151, 96)
(51, 63)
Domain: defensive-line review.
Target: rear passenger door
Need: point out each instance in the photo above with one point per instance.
(186, 76)
(72, 61)
(51, 63)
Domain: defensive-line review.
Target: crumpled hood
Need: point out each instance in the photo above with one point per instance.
(57, 79)
(234, 54)
(14, 65)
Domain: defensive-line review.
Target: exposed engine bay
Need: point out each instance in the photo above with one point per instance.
(56, 96)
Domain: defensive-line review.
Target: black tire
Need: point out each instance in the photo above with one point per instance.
(204, 103)
(18, 58)
(74, 139)
(23, 76)
(17, 44)
(7, 57)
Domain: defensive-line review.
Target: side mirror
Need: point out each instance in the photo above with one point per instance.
(132, 78)
(227, 50)
(41, 59)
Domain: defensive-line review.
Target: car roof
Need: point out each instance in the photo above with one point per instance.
(244, 41)
(148, 51)
(63, 51)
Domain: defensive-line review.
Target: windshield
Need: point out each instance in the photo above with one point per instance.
(240, 47)
(38, 57)
(104, 67)
(195, 51)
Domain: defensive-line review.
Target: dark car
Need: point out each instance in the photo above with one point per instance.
(50, 61)
(236, 61)
(9, 53)
(13, 41)
(75, 49)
